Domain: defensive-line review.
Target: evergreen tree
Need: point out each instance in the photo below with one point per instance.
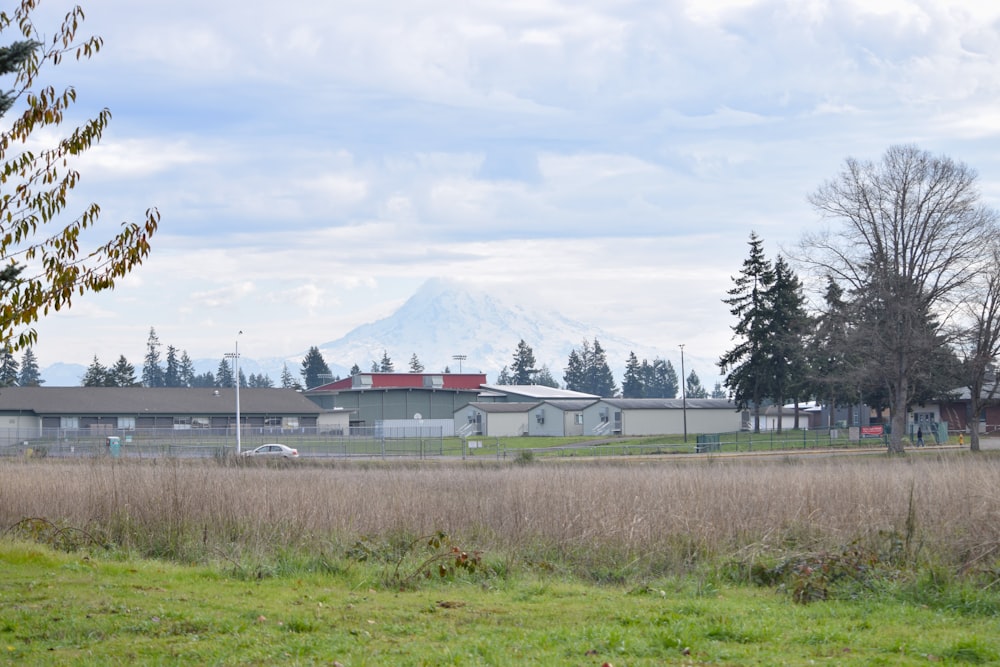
(789, 325)
(665, 379)
(29, 376)
(522, 368)
(355, 370)
(386, 366)
(589, 372)
(96, 375)
(544, 378)
(601, 381)
(374, 367)
(746, 365)
(172, 375)
(835, 373)
(224, 374)
(694, 388)
(8, 369)
(415, 365)
(186, 371)
(260, 380)
(206, 379)
(243, 379)
(504, 377)
(287, 379)
(718, 391)
(152, 372)
(313, 367)
(633, 385)
(574, 375)
(122, 374)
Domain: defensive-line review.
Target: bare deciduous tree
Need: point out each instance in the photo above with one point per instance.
(979, 340)
(912, 229)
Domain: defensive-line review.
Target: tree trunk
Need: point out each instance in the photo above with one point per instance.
(972, 423)
(898, 419)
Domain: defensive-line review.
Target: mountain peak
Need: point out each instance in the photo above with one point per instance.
(445, 318)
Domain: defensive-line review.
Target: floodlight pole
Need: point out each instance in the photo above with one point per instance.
(684, 403)
(236, 381)
(459, 358)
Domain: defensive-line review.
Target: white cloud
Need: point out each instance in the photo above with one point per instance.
(610, 158)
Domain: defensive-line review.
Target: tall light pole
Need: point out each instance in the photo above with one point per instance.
(459, 358)
(684, 401)
(235, 356)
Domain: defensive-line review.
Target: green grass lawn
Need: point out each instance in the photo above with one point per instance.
(88, 608)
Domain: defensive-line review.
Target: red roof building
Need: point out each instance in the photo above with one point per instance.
(362, 381)
(375, 397)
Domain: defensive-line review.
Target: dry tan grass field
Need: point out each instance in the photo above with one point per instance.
(661, 516)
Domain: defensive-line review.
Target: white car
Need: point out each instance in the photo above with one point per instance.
(273, 450)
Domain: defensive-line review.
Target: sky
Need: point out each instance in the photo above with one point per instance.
(316, 162)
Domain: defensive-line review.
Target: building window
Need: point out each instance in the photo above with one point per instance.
(579, 418)
(272, 421)
(126, 423)
(182, 423)
(200, 422)
(291, 422)
(69, 422)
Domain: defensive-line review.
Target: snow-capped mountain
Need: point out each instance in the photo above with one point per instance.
(445, 318)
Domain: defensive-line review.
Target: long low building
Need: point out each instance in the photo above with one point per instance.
(32, 412)
(596, 417)
(661, 416)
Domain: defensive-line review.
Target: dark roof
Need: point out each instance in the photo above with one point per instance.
(670, 403)
(144, 400)
(522, 406)
(571, 404)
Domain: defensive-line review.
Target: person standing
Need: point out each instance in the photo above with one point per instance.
(920, 437)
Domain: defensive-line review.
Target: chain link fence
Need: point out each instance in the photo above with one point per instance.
(373, 442)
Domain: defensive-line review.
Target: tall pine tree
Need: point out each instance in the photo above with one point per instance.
(694, 387)
(152, 372)
(601, 381)
(587, 371)
(522, 368)
(633, 385)
(186, 371)
(314, 368)
(96, 375)
(288, 380)
(224, 374)
(386, 365)
(29, 376)
(8, 369)
(172, 374)
(415, 365)
(789, 325)
(122, 374)
(746, 365)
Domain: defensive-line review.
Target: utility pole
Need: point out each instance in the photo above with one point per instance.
(684, 403)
